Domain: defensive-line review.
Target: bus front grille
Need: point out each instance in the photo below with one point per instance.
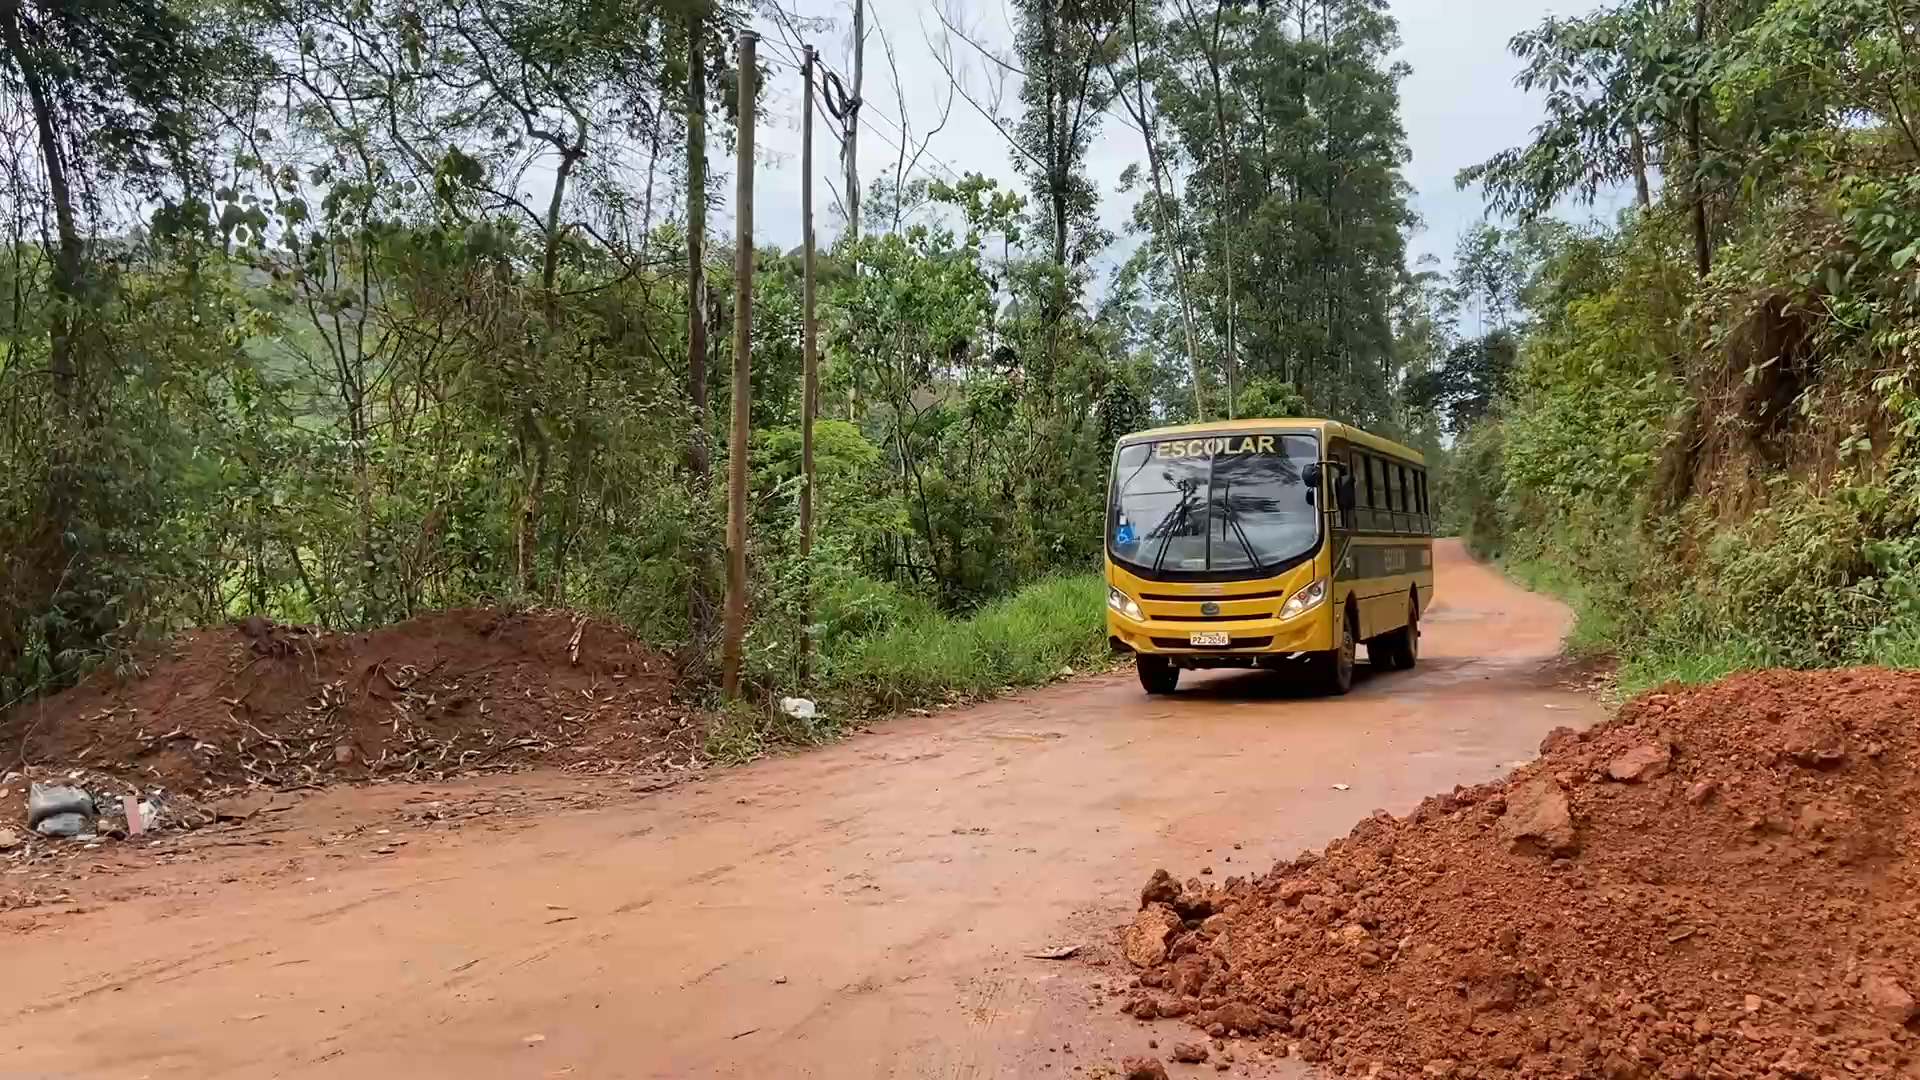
(1157, 617)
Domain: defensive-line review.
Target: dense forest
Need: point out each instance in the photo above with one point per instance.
(341, 312)
(1700, 423)
(336, 313)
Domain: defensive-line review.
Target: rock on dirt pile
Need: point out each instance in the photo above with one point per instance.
(1720, 883)
(442, 694)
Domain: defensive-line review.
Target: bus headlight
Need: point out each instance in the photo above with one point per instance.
(1305, 600)
(1124, 604)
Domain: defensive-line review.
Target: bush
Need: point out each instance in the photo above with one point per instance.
(1021, 640)
(1715, 475)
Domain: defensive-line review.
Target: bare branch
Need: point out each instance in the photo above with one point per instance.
(943, 55)
(992, 57)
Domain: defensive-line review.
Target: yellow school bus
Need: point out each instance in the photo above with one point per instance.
(1266, 543)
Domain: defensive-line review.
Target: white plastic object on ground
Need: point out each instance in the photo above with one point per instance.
(49, 800)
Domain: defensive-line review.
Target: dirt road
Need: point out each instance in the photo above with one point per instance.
(863, 910)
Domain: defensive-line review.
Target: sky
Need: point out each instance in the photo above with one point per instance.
(1459, 106)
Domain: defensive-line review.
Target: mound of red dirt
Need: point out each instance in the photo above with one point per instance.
(1720, 883)
(438, 695)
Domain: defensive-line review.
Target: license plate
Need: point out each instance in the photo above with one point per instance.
(1214, 638)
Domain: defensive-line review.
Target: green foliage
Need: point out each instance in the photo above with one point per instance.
(1059, 44)
(883, 650)
(1719, 472)
(744, 731)
(1468, 489)
(337, 313)
(1295, 214)
(1265, 396)
(1021, 640)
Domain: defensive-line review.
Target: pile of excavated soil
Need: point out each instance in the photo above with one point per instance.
(439, 695)
(1720, 883)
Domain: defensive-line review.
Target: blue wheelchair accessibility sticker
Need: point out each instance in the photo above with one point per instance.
(1123, 536)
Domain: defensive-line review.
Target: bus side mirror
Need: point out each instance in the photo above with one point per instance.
(1310, 476)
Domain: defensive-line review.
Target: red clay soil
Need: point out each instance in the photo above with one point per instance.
(279, 706)
(1720, 883)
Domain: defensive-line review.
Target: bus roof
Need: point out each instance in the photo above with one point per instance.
(1326, 427)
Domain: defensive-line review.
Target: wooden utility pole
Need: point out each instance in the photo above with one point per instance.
(809, 359)
(850, 145)
(736, 614)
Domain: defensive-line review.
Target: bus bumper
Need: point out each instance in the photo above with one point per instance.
(1252, 642)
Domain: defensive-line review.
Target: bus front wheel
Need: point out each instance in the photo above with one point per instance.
(1157, 674)
(1335, 666)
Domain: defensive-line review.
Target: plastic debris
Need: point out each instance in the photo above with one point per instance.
(51, 800)
(799, 708)
(64, 825)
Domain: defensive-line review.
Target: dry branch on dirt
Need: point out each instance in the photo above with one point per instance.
(1719, 883)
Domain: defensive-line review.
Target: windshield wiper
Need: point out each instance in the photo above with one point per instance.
(1173, 523)
(1232, 517)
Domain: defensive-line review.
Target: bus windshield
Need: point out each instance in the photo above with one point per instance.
(1234, 504)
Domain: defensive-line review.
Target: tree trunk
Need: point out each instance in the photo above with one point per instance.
(1642, 190)
(1702, 239)
(69, 255)
(698, 459)
(1057, 156)
(534, 453)
(1143, 116)
(358, 427)
(733, 643)
(646, 200)
(538, 453)
(1226, 200)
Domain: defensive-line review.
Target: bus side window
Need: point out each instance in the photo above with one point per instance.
(1345, 495)
(1406, 504)
(1393, 499)
(1420, 485)
(1376, 491)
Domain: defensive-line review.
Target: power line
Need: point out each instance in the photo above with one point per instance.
(893, 143)
(950, 170)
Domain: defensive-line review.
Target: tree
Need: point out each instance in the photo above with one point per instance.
(114, 93)
(1162, 210)
(1605, 77)
(1315, 195)
(1465, 388)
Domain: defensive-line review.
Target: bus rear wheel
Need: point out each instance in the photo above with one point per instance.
(1157, 674)
(1401, 648)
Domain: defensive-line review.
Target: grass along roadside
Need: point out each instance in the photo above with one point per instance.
(1052, 627)
(1600, 631)
(1683, 646)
